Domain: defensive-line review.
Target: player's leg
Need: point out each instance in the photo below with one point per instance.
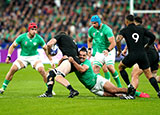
(136, 72)
(106, 72)
(152, 80)
(110, 61)
(40, 68)
(98, 62)
(64, 69)
(111, 88)
(15, 67)
(114, 74)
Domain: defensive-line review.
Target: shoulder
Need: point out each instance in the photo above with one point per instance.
(38, 36)
(90, 29)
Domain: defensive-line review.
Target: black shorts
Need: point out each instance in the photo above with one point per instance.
(73, 69)
(153, 57)
(139, 57)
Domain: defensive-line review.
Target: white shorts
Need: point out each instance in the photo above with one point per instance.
(101, 59)
(29, 60)
(98, 88)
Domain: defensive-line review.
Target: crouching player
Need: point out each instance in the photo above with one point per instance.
(94, 82)
(29, 43)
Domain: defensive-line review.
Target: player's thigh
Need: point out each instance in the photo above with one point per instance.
(98, 89)
(20, 63)
(64, 67)
(35, 62)
(110, 59)
(136, 70)
(99, 59)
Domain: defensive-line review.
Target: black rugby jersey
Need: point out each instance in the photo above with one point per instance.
(134, 36)
(67, 45)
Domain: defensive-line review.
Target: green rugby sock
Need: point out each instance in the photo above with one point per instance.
(137, 93)
(5, 84)
(107, 75)
(116, 78)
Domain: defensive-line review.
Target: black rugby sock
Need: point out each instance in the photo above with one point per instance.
(125, 76)
(49, 91)
(154, 83)
(70, 88)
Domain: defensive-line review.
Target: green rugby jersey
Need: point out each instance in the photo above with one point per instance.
(29, 46)
(88, 78)
(101, 37)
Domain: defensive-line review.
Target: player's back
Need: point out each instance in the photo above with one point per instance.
(134, 36)
(67, 45)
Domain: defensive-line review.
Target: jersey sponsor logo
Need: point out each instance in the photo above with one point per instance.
(101, 34)
(34, 43)
(26, 43)
(94, 34)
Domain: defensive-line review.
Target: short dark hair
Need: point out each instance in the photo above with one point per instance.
(130, 18)
(138, 19)
(84, 49)
(61, 33)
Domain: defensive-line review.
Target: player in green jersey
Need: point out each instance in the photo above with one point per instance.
(94, 82)
(105, 41)
(29, 43)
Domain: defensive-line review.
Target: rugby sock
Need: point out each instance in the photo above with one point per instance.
(46, 84)
(137, 93)
(125, 76)
(107, 75)
(5, 84)
(116, 78)
(50, 87)
(154, 83)
(70, 88)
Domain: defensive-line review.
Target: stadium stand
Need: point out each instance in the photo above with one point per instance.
(72, 16)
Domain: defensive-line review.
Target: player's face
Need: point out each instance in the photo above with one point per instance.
(33, 31)
(82, 56)
(95, 24)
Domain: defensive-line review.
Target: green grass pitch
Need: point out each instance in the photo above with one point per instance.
(21, 97)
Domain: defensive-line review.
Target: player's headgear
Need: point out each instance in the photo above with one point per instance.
(32, 25)
(96, 18)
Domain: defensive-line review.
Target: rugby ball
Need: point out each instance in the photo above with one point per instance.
(54, 50)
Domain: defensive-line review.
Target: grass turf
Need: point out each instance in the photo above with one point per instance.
(21, 97)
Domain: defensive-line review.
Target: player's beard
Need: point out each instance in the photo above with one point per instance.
(82, 59)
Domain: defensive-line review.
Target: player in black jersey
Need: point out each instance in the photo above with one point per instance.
(134, 37)
(69, 48)
(153, 57)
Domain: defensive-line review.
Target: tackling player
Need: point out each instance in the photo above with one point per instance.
(94, 82)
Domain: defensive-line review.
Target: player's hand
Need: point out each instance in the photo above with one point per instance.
(105, 52)
(124, 52)
(89, 53)
(70, 59)
(8, 59)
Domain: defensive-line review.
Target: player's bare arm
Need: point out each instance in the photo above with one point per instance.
(10, 51)
(89, 43)
(111, 46)
(80, 68)
(49, 56)
(51, 42)
(118, 40)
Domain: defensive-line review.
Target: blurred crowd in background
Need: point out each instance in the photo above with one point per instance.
(72, 16)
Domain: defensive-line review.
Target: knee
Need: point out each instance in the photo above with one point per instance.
(41, 70)
(96, 69)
